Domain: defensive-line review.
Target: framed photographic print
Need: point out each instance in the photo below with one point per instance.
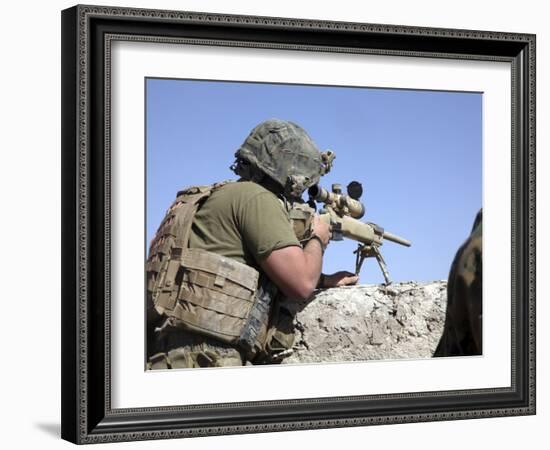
(177, 323)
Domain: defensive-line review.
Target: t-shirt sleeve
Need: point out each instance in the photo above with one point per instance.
(265, 226)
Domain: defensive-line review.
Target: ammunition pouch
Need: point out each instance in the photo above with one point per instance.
(210, 295)
(226, 300)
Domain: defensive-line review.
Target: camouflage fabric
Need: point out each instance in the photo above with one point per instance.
(285, 153)
(177, 349)
(463, 320)
(171, 347)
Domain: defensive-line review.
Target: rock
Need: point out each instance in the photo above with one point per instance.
(370, 322)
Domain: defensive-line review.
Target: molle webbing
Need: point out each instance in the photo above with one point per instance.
(223, 268)
(214, 297)
(171, 238)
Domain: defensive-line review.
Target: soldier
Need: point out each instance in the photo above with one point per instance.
(226, 255)
(462, 330)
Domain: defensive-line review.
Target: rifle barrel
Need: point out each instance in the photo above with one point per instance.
(398, 240)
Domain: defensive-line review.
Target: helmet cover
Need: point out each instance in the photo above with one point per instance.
(284, 152)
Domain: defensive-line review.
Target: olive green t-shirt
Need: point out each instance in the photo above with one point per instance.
(243, 221)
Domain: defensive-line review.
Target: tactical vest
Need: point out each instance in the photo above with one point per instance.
(206, 293)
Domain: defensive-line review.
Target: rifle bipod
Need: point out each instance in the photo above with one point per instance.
(370, 251)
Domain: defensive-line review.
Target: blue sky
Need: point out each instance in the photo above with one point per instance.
(418, 155)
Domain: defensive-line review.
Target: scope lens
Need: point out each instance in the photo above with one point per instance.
(313, 191)
(355, 190)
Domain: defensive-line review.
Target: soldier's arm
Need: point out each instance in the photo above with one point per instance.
(295, 270)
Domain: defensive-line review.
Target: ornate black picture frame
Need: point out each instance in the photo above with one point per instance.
(87, 34)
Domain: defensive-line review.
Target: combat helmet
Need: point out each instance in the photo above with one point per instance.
(284, 152)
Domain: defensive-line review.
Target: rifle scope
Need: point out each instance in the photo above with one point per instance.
(341, 203)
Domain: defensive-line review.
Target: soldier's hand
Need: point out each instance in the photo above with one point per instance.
(321, 229)
(342, 278)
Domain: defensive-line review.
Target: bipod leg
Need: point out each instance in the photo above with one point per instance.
(360, 252)
(382, 265)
